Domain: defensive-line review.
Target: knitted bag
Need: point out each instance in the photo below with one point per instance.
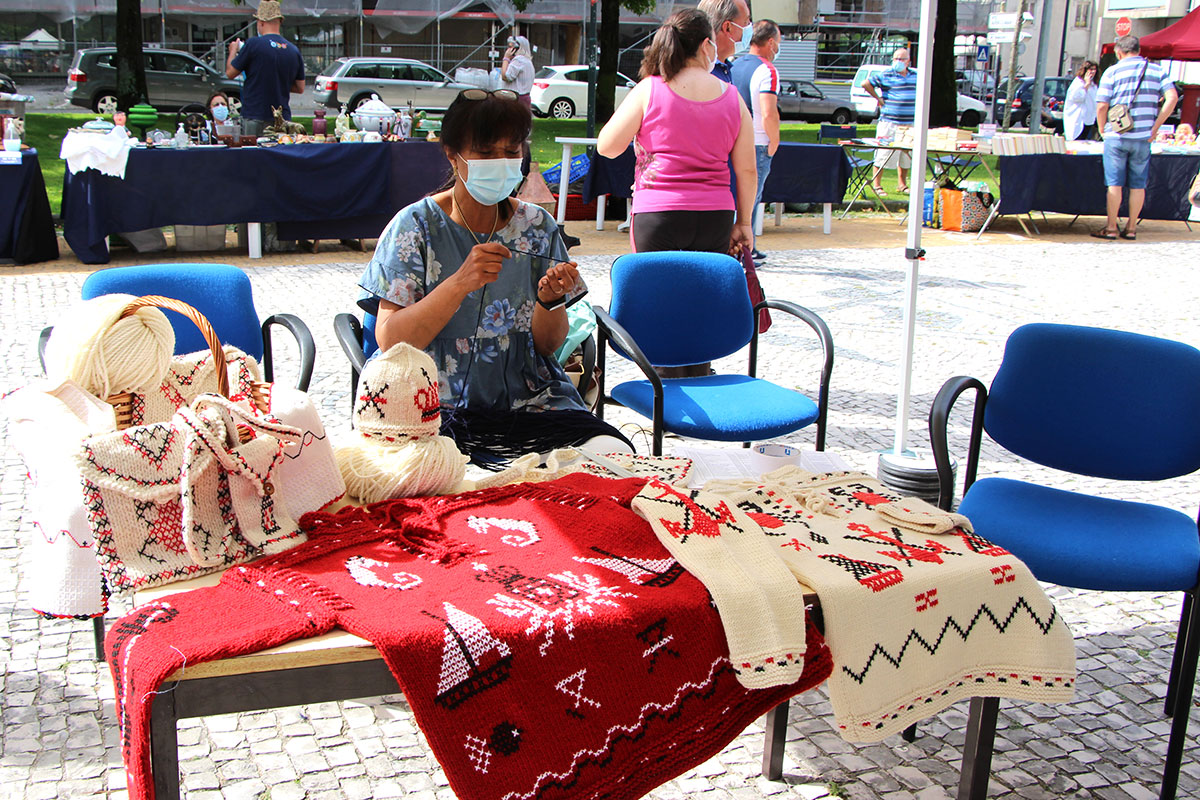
(176, 499)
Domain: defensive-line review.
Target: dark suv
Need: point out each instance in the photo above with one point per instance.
(174, 80)
(1052, 88)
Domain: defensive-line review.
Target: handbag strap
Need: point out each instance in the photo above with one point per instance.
(1138, 87)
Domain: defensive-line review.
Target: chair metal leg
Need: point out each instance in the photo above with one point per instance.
(1180, 646)
(977, 749)
(776, 738)
(98, 636)
(1183, 702)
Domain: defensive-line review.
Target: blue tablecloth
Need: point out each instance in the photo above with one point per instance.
(26, 223)
(312, 185)
(800, 173)
(1074, 184)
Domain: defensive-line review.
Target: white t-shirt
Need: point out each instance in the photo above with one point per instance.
(519, 77)
(764, 80)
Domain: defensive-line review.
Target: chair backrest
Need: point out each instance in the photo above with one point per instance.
(219, 291)
(830, 131)
(682, 307)
(1098, 402)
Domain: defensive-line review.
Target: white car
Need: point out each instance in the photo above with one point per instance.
(971, 112)
(562, 91)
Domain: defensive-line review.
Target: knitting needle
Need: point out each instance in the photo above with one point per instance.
(539, 255)
(606, 462)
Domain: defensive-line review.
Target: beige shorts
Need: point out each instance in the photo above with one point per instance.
(890, 159)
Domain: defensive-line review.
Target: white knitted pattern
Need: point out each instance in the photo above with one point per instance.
(914, 621)
(760, 603)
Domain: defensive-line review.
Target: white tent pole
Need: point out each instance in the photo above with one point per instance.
(916, 206)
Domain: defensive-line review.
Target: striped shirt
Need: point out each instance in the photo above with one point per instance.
(1117, 85)
(899, 93)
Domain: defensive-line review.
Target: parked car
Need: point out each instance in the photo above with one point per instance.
(397, 81)
(7, 84)
(971, 112)
(562, 91)
(803, 100)
(1055, 88)
(174, 80)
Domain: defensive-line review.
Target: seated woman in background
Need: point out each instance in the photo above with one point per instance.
(481, 282)
(218, 113)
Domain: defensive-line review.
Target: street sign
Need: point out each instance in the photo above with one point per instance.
(982, 53)
(1007, 21)
(1006, 37)
(1124, 26)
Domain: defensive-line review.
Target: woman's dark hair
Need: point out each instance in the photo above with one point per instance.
(476, 124)
(1085, 66)
(675, 42)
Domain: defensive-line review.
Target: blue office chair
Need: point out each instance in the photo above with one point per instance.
(1102, 403)
(222, 293)
(673, 309)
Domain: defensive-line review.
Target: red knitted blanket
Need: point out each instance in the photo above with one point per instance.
(548, 645)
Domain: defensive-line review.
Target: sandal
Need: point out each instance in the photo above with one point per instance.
(1131, 235)
(879, 190)
(1104, 233)
(903, 190)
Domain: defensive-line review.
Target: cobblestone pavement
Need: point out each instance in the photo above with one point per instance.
(59, 736)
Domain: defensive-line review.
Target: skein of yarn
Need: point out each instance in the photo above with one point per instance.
(107, 355)
(373, 473)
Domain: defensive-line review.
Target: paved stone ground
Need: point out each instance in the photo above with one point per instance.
(59, 736)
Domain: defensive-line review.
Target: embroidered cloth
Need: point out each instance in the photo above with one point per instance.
(915, 620)
(548, 645)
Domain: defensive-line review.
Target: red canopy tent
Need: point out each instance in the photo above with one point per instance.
(1179, 42)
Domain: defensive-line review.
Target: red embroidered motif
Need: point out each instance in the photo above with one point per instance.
(697, 519)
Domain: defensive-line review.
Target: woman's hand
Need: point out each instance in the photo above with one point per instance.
(558, 280)
(741, 237)
(481, 267)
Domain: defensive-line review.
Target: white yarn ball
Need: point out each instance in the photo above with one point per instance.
(374, 471)
(107, 355)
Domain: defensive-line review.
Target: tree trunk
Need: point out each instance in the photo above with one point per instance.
(131, 65)
(943, 90)
(609, 38)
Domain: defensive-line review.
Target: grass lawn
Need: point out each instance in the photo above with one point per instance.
(45, 132)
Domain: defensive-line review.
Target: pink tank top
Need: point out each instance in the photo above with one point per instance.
(683, 151)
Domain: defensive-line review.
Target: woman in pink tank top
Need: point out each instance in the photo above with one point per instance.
(687, 127)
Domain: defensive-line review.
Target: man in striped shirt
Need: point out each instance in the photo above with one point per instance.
(897, 106)
(1138, 84)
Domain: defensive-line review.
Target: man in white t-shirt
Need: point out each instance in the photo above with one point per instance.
(757, 80)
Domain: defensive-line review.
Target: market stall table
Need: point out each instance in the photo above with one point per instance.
(800, 173)
(1074, 184)
(312, 190)
(26, 222)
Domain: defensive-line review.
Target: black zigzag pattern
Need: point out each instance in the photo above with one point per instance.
(952, 624)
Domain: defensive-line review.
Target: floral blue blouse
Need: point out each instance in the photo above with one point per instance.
(485, 355)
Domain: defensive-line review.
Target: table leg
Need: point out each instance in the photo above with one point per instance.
(977, 749)
(564, 180)
(779, 213)
(757, 218)
(164, 745)
(827, 218)
(776, 737)
(601, 201)
(988, 221)
(254, 239)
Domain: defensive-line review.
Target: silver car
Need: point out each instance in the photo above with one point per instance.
(803, 100)
(396, 80)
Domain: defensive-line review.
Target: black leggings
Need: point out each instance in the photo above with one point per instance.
(708, 231)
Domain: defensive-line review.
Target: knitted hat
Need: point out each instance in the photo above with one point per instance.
(268, 10)
(398, 396)
(398, 452)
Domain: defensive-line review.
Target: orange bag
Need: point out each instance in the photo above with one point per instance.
(964, 211)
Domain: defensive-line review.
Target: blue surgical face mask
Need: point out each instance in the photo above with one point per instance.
(490, 180)
(747, 34)
(899, 66)
(220, 113)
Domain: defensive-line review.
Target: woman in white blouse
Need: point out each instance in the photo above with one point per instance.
(516, 70)
(1079, 110)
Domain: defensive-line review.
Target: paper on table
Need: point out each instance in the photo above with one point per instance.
(709, 463)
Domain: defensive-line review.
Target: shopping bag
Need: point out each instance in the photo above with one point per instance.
(755, 289)
(964, 211)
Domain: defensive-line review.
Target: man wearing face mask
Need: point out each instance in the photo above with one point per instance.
(730, 20)
(757, 81)
(897, 106)
(481, 282)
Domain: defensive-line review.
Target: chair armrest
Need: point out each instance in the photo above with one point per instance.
(304, 339)
(612, 329)
(349, 334)
(823, 335)
(939, 420)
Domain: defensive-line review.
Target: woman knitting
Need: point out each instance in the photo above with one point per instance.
(481, 281)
